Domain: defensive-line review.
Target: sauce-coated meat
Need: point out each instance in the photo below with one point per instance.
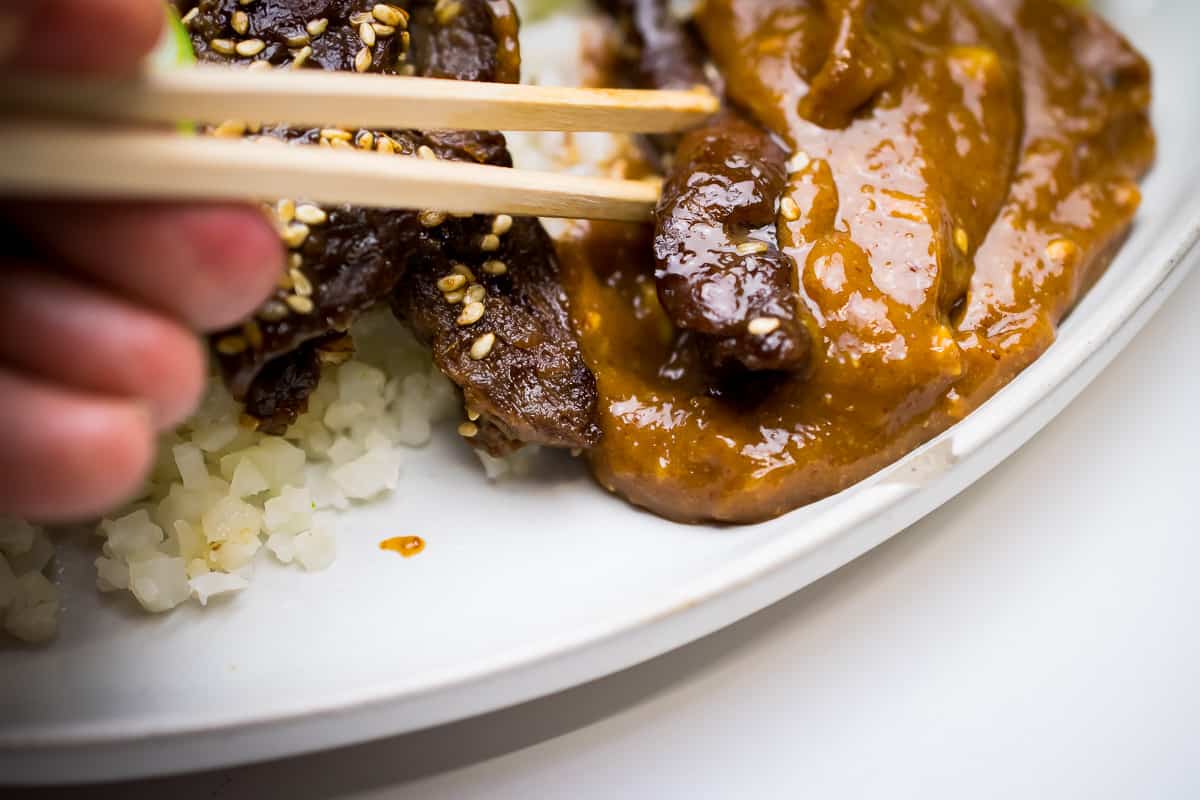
(961, 170)
(720, 273)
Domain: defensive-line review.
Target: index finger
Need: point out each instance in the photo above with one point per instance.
(109, 36)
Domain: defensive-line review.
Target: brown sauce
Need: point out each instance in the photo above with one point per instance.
(964, 169)
(407, 546)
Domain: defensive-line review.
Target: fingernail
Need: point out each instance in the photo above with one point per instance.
(13, 26)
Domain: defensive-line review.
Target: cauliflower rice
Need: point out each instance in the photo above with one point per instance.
(221, 497)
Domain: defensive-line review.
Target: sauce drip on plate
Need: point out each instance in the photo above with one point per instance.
(407, 546)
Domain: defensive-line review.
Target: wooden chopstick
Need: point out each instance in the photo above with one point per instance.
(316, 98)
(47, 159)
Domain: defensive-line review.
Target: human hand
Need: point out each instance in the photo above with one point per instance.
(100, 302)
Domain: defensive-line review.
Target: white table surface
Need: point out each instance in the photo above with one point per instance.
(1036, 637)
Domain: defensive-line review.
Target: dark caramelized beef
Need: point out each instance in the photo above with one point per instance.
(532, 385)
(720, 273)
(518, 364)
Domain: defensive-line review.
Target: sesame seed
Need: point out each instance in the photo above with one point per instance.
(751, 248)
(475, 294)
(365, 140)
(405, 40)
(295, 235)
(408, 69)
(455, 297)
(482, 346)
(301, 285)
(311, 215)
(362, 61)
(253, 334)
(789, 210)
(389, 15)
(298, 40)
(798, 162)
(223, 46)
(961, 240)
(451, 282)
(190, 17)
(231, 345)
(286, 211)
(301, 305)
(468, 430)
(1062, 249)
(426, 152)
(367, 34)
(1127, 194)
(471, 313)
(446, 10)
(383, 31)
(341, 144)
(316, 27)
(464, 270)
(502, 224)
(284, 281)
(302, 56)
(761, 326)
(295, 261)
(272, 311)
(230, 129)
(490, 243)
(336, 133)
(259, 66)
(431, 219)
(250, 47)
(472, 414)
(240, 22)
(495, 267)
(245, 2)
(385, 145)
(359, 17)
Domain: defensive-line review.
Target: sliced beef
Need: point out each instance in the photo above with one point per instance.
(343, 260)
(484, 294)
(719, 271)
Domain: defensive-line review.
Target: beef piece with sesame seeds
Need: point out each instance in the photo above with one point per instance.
(720, 273)
(719, 270)
(531, 385)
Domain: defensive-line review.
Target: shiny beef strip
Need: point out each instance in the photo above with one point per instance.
(719, 271)
(353, 258)
(720, 274)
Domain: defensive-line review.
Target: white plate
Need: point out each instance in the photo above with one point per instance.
(524, 590)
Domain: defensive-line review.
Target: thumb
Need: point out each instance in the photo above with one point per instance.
(108, 36)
